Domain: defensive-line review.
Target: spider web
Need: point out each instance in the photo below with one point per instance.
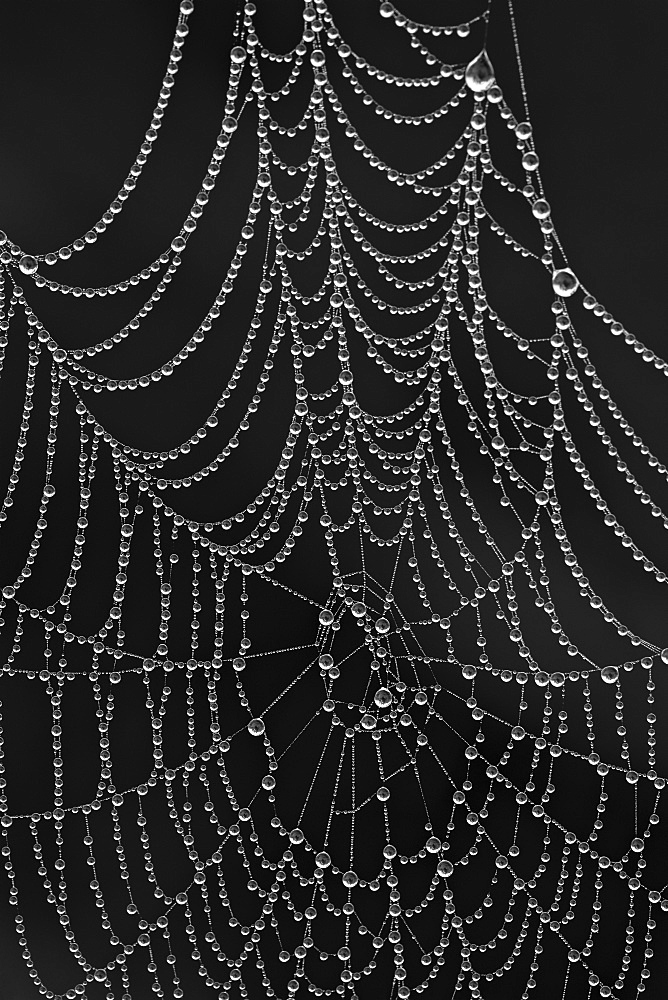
(379, 801)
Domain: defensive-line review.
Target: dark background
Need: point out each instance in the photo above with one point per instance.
(78, 83)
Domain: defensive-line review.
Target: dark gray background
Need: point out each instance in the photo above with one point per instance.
(77, 84)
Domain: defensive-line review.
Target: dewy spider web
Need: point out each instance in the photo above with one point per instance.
(361, 797)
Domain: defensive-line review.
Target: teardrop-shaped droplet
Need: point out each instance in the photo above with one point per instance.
(564, 282)
(479, 73)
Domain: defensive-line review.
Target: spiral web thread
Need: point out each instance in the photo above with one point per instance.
(403, 713)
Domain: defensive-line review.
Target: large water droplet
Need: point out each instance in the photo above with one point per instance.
(383, 698)
(479, 73)
(541, 208)
(28, 264)
(565, 282)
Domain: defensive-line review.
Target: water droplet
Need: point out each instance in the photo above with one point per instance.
(383, 794)
(383, 698)
(28, 264)
(609, 674)
(323, 860)
(541, 208)
(530, 161)
(350, 879)
(479, 74)
(358, 609)
(445, 868)
(256, 727)
(382, 626)
(564, 282)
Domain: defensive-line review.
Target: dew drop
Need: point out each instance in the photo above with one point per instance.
(479, 74)
(256, 727)
(564, 282)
